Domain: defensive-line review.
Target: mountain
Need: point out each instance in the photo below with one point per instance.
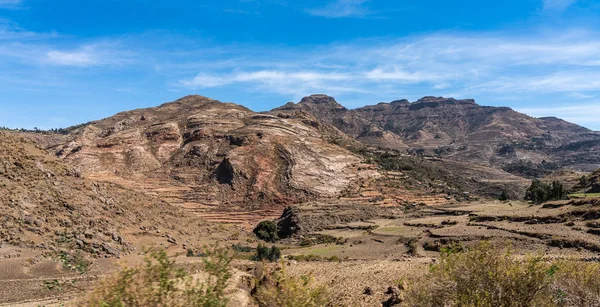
(47, 205)
(351, 122)
(461, 130)
(201, 153)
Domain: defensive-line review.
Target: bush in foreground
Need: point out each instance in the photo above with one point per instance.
(486, 276)
(277, 289)
(159, 283)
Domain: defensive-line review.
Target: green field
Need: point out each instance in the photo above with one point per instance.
(581, 195)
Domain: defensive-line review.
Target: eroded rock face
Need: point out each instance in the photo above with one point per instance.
(225, 152)
(460, 130)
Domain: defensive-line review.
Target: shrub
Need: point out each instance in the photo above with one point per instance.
(504, 196)
(277, 289)
(74, 261)
(267, 231)
(484, 276)
(577, 284)
(540, 192)
(242, 248)
(263, 252)
(160, 283)
(190, 253)
(313, 257)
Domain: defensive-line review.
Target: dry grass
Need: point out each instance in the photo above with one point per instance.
(486, 276)
(276, 288)
(159, 283)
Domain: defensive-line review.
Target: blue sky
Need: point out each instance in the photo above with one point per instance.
(65, 62)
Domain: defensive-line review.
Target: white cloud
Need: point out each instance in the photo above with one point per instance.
(585, 114)
(557, 5)
(342, 8)
(292, 82)
(78, 58)
(97, 54)
(472, 65)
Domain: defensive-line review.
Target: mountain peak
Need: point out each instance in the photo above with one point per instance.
(320, 101)
(444, 100)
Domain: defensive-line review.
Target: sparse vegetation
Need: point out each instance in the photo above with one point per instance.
(74, 261)
(159, 282)
(322, 239)
(489, 276)
(276, 288)
(312, 257)
(242, 248)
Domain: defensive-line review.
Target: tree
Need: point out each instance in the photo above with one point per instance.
(263, 252)
(504, 196)
(540, 192)
(267, 231)
(584, 182)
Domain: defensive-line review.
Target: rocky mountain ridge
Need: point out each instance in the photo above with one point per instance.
(211, 153)
(460, 130)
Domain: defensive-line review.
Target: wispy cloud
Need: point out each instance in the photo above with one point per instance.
(10, 4)
(77, 58)
(342, 8)
(555, 66)
(584, 114)
(485, 64)
(288, 82)
(557, 5)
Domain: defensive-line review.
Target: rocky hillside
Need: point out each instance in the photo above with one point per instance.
(595, 182)
(200, 152)
(47, 205)
(461, 130)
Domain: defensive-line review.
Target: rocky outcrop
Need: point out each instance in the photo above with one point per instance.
(226, 153)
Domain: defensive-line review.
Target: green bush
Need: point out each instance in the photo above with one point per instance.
(263, 252)
(313, 257)
(242, 248)
(160, 283)
(267, 231)
(504, 196)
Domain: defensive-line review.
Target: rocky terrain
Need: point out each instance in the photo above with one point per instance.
(461, 130)
(48, 205)
(212, 154)
(224, 162)
(381, 188)
(57, 224)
